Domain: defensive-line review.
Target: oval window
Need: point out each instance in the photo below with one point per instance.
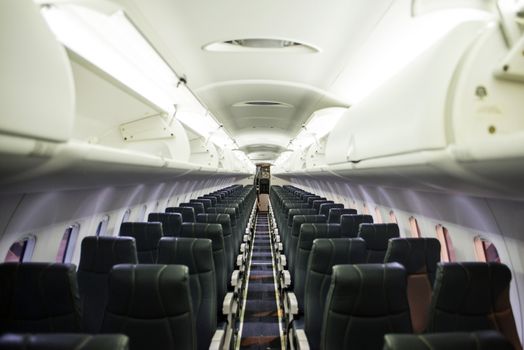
(67, 244)
(21, 250)
(447, 252)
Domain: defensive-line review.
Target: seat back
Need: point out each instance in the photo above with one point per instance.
(285, 231)
(64, 341)
(298, 221)
(151, 304)
(171, 222)
(207, 202)
(314, 198)
(39, 298)
(98, 255)
(317, 202)
(335, 213)
(377, 237)
(197, 255)
(215, 234)
(419, 256)
(188, 213)
(236, 228)
(349, 223)
(213, 199)
(146, 235)
(308, 233)
(482, 340)
(198, 207)
(364, 303)
(471, 296)
(325, 207)
(326, 253)
(225, 221)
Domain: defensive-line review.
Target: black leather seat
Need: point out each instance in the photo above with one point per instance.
(325, 207)
(64, 341)
(215, 234)
(171, 222)
(188, 213)
(213, 199)
(308, 233)
(483, 340)
(207, 202)
(472, 296)
(335, 213)
(229, 244)
(285, 232)
(419, 256)
(98, 255)
(377, 237)
(298, 221)
(39, 298)
(318, 202)
(236, 227)
(198, 207)
(151, 304)
(146, 235)
(349, 224)
(197, 255)
(326, 253)
(364, 303)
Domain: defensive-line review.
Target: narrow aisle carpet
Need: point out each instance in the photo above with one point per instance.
(261, 323)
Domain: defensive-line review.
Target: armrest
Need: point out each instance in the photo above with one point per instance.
(291, 303)
(217, 342)
(229, 306)
(301, 340)
(286, 279)
(235, 279)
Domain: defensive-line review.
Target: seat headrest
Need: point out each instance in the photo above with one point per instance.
(202, 230)
(64, 341)
(214, 218)
(327, 252)
(149, 291)
(100, 254)
(350, 223)
(417, 255)
(298, 220)
(481, 340)
(171, 222)
(377, 235)
(199, 207)
(472, 288)
(39, 297)
(309, 232)
(195, 253)
(369, 290)
(325, 207)
(229, 211)
(314, 198)
(292, 212)
(212, 198)
(188, 213)
(146, 234)
(318, 202)
(335, 213)
(206, 202)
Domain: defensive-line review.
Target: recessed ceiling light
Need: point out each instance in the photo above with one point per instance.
(262, 103)
(260, 45)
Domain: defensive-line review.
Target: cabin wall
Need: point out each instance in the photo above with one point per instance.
(46, 215)
(465, 216)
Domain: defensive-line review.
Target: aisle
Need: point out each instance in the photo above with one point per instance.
(260, 328)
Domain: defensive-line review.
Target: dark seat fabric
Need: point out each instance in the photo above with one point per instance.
(197, 255)
(325, 207)
(298, 221)
(482, 340)
(285, 231)
(229, 243)
(308, 233)
(335, 213)
(171, 222)
(64, 341)
(39, 298)
(151, 304)
(472, 296)
(326, 253)
(98, 255)
(146, 235)
(419, 256)
(236, 228)
(206, 202)
(213, 199)
(188, 213)
(349, 224)
(364, 303)
(318, 202)
(377, 237)
(215, 234)
(198, 207)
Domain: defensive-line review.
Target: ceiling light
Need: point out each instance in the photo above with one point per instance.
(260, 44)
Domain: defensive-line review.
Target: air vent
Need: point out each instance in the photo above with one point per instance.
(263, 103)
(260, 45)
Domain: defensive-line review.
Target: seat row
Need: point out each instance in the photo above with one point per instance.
(171, 301)
(363, 301)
